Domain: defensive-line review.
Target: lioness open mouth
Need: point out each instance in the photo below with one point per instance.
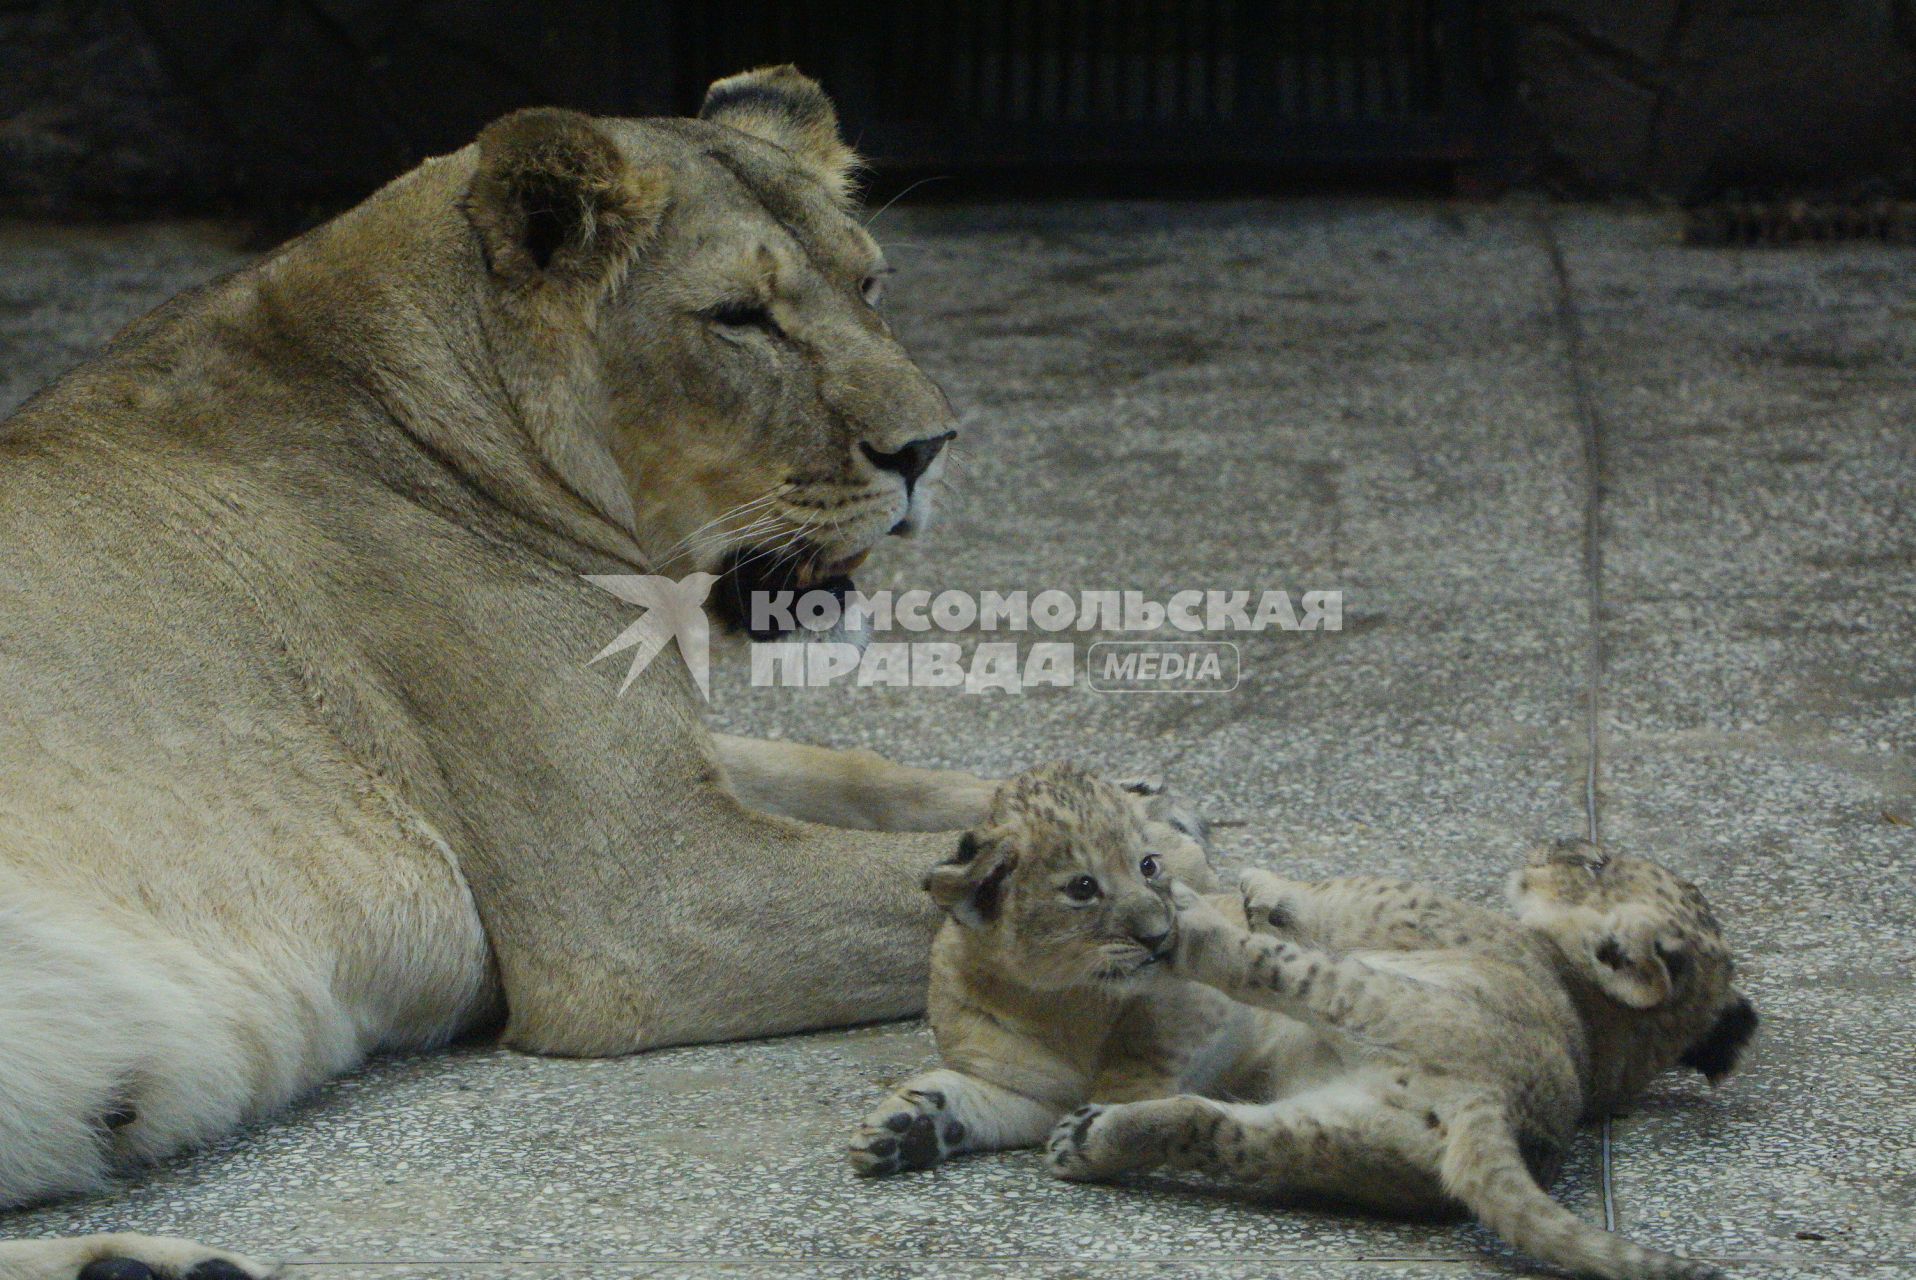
(764, 572)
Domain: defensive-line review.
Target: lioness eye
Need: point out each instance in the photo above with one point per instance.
(1149, 867)
(1082, 889)
(872, 289)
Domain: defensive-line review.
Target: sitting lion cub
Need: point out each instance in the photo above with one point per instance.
(1388, 1046)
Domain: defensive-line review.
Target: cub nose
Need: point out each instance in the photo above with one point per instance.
(1153, 942)
(911, 460)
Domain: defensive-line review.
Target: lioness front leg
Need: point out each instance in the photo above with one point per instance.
(945, 1113)
(857, 789)
(719, 923)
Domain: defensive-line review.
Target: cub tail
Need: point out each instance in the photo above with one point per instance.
(1484, 1168)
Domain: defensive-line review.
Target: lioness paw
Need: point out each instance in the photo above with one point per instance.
(125, 1256)
(124, 1268)
(911, 1131)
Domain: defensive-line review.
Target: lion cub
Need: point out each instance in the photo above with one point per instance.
(1471, 1043)
(1048, 983)
(1383, 1045)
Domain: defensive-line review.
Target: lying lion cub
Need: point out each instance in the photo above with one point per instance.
(1388, 1046)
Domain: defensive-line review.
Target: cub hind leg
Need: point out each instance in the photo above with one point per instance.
(1342, 1142)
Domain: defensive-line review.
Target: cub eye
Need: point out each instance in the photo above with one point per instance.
(1149, 867)
(872, 290)
(743, 315)
(1082, 889)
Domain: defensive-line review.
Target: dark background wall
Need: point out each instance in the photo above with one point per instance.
(286, 109)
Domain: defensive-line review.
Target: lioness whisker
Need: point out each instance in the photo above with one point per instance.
(722, 516)
(937, 177)
(767, 521)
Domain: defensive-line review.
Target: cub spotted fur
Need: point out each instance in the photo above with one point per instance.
(1385, 1045)
(1046, 977)
(1471, 1043)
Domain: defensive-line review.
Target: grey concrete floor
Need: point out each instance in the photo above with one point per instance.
(1624, 532)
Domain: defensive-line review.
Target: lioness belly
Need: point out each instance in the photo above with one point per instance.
(202, 915)
(163, 981)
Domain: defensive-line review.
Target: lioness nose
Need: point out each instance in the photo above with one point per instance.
(911, 460)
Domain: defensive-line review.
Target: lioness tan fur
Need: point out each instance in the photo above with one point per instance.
(301, 756)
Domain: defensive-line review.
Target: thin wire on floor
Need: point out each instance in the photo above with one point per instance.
(1570, 324)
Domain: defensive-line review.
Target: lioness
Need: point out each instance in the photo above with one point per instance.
(1371, 1041)
(300, 756)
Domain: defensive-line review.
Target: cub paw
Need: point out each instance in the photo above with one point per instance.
(1691, 1269)
(1202, 929)
(1068, 1151)
(911, 1131)
(1267, 901)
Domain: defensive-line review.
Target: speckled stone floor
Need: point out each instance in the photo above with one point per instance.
(1625, 536)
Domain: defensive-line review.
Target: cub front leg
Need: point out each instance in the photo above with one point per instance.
(1357, 913)
(1276, 973)
(946, 1113)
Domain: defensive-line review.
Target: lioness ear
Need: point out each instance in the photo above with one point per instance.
(785, 107)
(554, 199)
(969, 884)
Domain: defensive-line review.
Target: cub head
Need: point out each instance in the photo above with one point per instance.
(686, 315)
(1647, 941)
(1060, 883)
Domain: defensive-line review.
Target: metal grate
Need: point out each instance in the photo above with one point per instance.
(1153, 81)
(1162, 60)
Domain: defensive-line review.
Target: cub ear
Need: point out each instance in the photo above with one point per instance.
(1633, 970)
(554, 199)
(785, 107)
(969, 886)
(1716, 1053)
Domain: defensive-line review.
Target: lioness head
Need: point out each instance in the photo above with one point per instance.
(1645, 938)
(700, 294)
(1060, 882)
